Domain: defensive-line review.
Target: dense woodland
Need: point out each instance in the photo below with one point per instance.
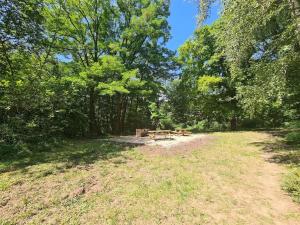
(95, 67)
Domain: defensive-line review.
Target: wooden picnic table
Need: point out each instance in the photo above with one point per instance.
(153, 133)
(182, 132)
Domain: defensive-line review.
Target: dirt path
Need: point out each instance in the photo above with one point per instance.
(261, 193)
(270, 182)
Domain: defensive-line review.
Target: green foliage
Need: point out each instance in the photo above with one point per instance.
(161, 116)
(180, 104)
(109, 76)
(209, 84)
(93, 67)
(245, 67)
(205, 90)
(293, 137)
(292, 180)
(198, 127)
(260, 40)
(80, 68)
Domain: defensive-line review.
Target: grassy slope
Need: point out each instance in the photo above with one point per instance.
(97, 183)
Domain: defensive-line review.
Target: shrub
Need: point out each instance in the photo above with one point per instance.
(293, 124)
(198, 127)
(167, 123)
(292, 184)
(293, 137)
(251, 123)
(216, 126)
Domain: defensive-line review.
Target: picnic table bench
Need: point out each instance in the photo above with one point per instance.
(183, 132)
(167, 133)
(153, 133)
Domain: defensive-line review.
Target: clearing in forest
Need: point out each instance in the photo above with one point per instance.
(220, 178)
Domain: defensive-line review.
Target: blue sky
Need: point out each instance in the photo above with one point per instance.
(183, 21)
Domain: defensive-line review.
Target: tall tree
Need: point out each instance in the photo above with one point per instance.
(294, 6)
(261, 46)
(206, 77)
(133, 31)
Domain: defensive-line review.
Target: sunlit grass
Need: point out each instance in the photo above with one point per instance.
(92, 182)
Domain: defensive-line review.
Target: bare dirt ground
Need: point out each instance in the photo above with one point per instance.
(181, 145)
(270, 182)
(163, 145)
(166, 142)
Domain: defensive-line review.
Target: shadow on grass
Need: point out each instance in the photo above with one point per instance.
(281, 151)
(70, 152)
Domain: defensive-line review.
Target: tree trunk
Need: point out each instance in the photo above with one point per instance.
(233, 123)
(295, 7)
(117, 118)
(92, 114)
(124, 111)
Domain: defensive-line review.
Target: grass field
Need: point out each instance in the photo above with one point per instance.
(232, 179)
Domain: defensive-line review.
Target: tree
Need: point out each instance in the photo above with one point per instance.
(263, 52)
(25, 104)
(294, 5)
(206, 78)
(260, 44)
(133, 31)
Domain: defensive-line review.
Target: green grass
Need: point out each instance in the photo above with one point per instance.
(220, 183)
(292, 183)
(287, 151)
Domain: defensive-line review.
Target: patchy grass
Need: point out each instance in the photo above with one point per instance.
(292, 183)
(92, 182)
(285, 147)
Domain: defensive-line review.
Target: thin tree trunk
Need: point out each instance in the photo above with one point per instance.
(92, 114)
(295, 7)
(124, 111)
(117, 119)
(233, 123)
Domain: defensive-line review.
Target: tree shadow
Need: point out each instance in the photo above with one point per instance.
(71, 153)
(281, 151)
(164, 139)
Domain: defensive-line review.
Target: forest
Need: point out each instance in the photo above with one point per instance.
(102, 67)
(76, 72)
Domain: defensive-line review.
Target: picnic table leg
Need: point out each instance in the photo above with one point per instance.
(152, 136)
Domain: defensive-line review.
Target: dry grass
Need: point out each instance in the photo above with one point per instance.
(224, 182)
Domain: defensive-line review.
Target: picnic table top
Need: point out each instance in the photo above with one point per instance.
(159, 131)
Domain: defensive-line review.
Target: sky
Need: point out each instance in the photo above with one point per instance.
(183, 21)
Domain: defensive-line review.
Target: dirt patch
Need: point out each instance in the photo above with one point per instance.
(178, 148)
(271, 181)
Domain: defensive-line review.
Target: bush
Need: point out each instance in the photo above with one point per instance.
(167, 123)
(251, 123)
(293, 137)
(216, 126)
(204, 125)
(292, 184)
(198, 127)
(293, 124)
(7, 135)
